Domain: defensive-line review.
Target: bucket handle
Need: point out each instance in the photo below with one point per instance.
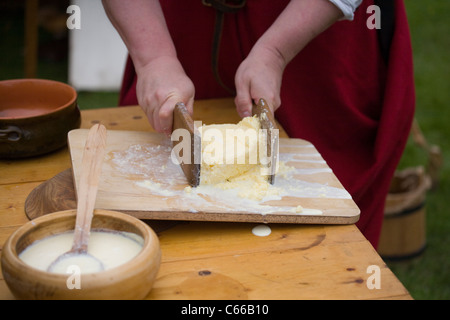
(435, 158)
(409, 198)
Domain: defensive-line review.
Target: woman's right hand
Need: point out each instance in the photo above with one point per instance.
(161, 84)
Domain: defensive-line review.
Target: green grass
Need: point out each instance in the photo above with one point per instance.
(94, 100)
(427, 277)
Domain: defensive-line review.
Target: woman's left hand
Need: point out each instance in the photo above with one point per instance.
(259, 76)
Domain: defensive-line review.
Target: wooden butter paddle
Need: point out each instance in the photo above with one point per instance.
(270, 133)
(190, 164)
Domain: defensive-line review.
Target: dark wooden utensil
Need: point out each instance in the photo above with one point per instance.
(184, 125)
(270, 134)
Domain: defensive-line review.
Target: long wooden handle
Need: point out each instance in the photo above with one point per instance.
(93, 155)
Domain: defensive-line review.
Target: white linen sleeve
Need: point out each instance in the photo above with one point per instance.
(347, 7)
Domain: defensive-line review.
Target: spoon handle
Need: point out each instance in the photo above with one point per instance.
(93, 155)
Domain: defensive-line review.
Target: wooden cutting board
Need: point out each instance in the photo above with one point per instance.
(139, 178)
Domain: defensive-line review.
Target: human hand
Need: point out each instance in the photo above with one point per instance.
(161, 84)
(259, 76)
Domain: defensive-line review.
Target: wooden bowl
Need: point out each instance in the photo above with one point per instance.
(131, 280)
(35, 116)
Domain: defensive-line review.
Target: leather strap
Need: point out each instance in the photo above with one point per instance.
(224, 6)
(221, 7)
(386, 32)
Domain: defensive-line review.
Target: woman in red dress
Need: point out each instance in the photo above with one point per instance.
(327, 74)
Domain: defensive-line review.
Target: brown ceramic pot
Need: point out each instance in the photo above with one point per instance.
(35, 116)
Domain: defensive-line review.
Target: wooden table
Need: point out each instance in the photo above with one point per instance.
(211, 260)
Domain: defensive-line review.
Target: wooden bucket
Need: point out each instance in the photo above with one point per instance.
(403, 235)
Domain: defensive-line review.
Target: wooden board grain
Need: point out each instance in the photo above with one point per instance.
(58, 194)
(55, 194)
(140, 178)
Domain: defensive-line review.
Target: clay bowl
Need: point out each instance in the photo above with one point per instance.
(131, 280)
(35, 116)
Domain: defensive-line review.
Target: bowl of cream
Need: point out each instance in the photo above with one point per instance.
(127, 247)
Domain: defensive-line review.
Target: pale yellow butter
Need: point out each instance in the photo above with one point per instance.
(230, 159)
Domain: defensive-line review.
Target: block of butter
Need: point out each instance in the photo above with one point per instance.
(231, 158)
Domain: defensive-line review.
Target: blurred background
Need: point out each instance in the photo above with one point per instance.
(35, 42)
(91, 59)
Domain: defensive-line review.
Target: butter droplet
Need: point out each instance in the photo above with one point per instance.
(262, 230)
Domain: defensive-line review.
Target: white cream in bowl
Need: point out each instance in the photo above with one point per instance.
(112, 248)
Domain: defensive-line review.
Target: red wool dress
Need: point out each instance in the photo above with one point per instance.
(338, 92)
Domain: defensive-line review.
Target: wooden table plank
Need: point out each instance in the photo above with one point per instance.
(237, 238)
(304, 276)
(5, 293)
(34, 169)
(318, 262)
(12, 199)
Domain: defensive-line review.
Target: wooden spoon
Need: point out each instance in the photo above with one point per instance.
(91, 165)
